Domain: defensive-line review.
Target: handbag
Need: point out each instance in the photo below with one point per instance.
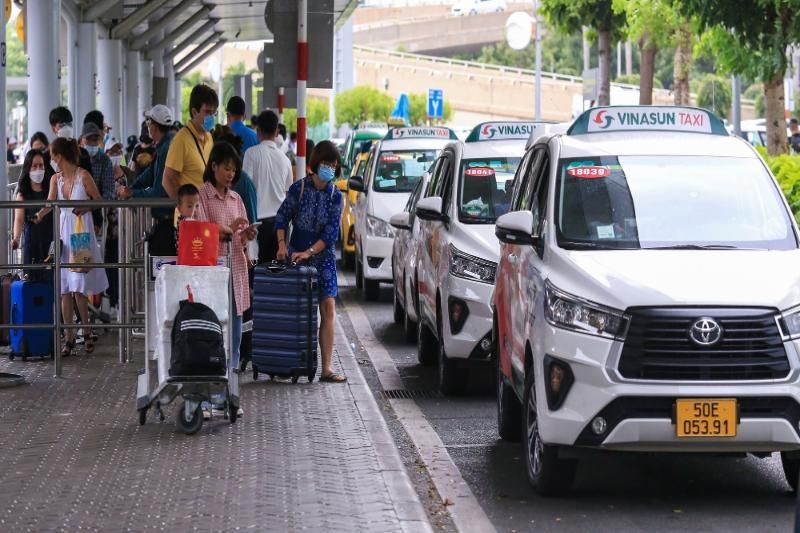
(80, 242)
(198, 243)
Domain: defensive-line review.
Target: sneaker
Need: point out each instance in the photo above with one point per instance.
(240, 412)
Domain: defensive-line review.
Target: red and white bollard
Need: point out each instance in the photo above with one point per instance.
(302, 78)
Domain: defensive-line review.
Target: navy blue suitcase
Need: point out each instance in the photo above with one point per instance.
(31, 303)
(285, 299)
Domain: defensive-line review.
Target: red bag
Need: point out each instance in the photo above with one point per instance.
(198, 243)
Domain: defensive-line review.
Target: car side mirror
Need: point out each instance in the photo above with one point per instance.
(430, 208)
(356, 183)
(517, 228)
(401, 221)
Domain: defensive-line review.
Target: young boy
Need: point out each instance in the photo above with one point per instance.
(188, 201)
(164, 235)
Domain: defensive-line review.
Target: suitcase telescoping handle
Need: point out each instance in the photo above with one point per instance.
(279, 267)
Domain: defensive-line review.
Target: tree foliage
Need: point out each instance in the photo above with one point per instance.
(633, 79)
(316, 114)
(361, 104)
(561, 53)
(715, 95)
(418, 109)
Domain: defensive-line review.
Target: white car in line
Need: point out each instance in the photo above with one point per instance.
(477, 7)
(404, 261)
(395, 165)
(470, 187)
(647, 296)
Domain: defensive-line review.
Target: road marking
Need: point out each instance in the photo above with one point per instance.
(462, 505)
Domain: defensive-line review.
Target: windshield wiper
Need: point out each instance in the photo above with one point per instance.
(698, 247)
(588, 245)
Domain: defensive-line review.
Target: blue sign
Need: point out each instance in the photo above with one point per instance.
(435, 103)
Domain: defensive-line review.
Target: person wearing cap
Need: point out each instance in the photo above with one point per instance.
(102, 168)
(236, 111)
(150, 183)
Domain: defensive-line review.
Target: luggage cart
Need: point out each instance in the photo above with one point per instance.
(193, 390)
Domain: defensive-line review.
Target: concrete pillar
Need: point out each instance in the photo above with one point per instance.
(73, 86)
(44, 87)
(178, 99)
(169, 72)
(158, 60)
(132, 118)
(109, 82)
(86, 69)
(145, 86)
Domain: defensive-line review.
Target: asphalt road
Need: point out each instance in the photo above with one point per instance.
(613, 492)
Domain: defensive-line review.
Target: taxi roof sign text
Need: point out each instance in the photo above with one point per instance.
(647, 118)
(421, 132)
(505, 131)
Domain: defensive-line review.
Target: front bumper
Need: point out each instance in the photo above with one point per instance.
(466, 344)
(639, 414)
(377, 258)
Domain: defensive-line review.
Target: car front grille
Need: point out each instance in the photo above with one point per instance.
(658, 346)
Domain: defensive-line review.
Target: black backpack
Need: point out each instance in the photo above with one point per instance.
(197, 344)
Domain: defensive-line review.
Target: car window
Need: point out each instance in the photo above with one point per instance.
(485, 188)
(400, 170)
(526, 188)
(520, 179)
(434, 170)
(368, 171)
(670, 202)
(441, 173)
(539, 200)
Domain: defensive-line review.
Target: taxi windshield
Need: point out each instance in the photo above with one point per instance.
(675, 202)
(400, 170)
(485, 188)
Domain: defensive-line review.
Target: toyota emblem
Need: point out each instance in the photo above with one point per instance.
(705, 332)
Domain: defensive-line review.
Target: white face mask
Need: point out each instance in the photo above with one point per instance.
(37, 176)
(115, 159)
(53, 164)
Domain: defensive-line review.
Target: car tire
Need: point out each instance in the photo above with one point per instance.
(791, 468)
(372, 289)
(359, 275)
(348, 259)
(427, 347)
(548, 474)
(410, 326)
(509, 409)
(451, 380)
(399, 312)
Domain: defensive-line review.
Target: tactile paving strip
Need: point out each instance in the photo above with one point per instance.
(73, 458)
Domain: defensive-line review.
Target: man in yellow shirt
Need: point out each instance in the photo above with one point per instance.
(191, 147)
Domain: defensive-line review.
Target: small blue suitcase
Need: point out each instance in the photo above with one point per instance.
(31, 303)
(285, 299)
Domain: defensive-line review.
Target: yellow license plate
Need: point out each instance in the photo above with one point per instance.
(706, 417)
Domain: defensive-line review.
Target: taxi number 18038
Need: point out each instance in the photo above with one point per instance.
(705, 418)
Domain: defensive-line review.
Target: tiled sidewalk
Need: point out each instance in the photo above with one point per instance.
(313, 457)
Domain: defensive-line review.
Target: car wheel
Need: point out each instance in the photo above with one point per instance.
(359, 275)
(426, 344)
(399, 312)
(451, 382)
(547, 473)
(409, 325)
(509, 410)
(791, 468)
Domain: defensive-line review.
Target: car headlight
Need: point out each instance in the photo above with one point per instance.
(789, 323)
(379, 228)
(470, 267)
(570, 312)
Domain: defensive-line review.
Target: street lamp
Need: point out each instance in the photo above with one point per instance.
(519, 30)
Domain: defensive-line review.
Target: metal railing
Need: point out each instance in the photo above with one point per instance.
(132, 225)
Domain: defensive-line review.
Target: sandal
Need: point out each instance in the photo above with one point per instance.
(88, 345)
(66, 351)
(332, 378)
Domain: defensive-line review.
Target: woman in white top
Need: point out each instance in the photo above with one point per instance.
(73, 183)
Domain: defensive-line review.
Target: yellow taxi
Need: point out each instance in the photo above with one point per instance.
(347, 227)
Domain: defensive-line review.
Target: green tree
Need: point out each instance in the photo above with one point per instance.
(418, 109)
(634, 79)
(652, 23)
(316, 114)
(361, 104)
(715, 95)
(751, 38)
(569, 15)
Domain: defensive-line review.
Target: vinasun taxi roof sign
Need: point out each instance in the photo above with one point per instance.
(421, 132)
(505, 131)
(647, 118)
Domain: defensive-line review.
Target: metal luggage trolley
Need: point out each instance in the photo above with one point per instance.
(192, 389)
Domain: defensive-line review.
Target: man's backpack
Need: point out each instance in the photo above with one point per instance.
(197, 343)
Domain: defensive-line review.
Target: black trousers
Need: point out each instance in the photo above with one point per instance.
(267, 241)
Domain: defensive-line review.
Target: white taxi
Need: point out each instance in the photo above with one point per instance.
(647, 295)
(395, 165)
(470, 187)
(404, 261)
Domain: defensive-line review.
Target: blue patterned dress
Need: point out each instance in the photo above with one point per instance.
(315, 216)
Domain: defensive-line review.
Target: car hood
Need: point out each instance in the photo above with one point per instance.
(478, 240)
(384, 205)
(627, 278)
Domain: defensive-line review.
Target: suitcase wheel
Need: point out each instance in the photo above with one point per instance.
(255, 373)
(11, 356)
(142, 416)
(295, 378)
(311, 377)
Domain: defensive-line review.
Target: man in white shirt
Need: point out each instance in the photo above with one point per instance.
(272, 175)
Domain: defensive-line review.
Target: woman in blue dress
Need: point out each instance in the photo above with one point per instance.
(313, 206)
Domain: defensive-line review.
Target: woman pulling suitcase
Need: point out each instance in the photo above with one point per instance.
(313, 206)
